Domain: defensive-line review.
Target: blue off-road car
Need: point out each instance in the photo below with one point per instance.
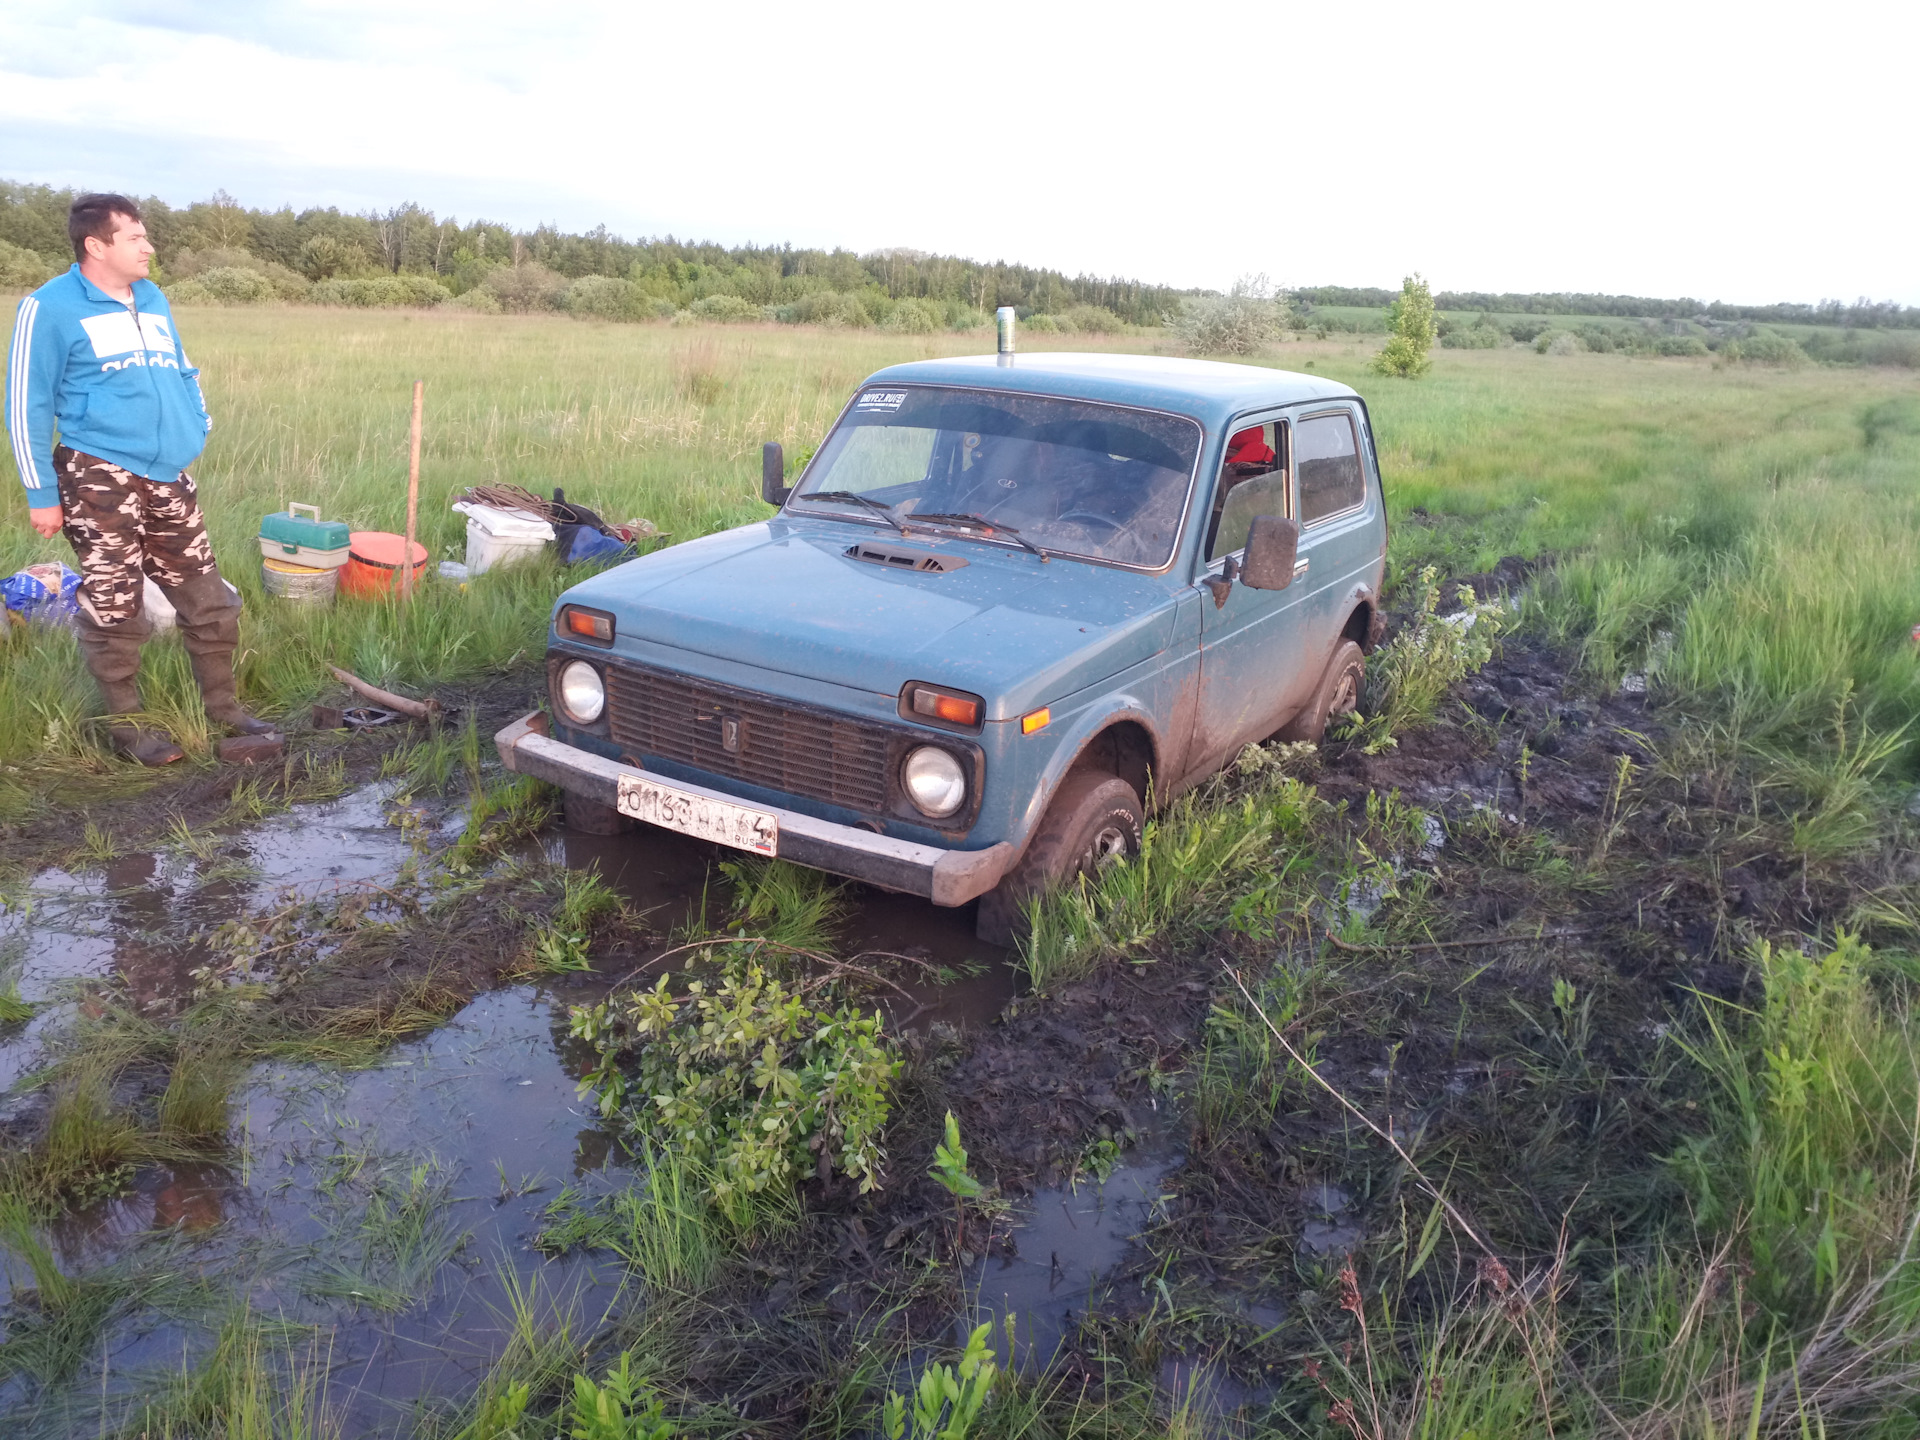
(1010, 602)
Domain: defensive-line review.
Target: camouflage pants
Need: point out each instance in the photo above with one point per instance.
(124, 526)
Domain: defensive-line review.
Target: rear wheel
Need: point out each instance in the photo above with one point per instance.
(1338, 694)
(1094, 821)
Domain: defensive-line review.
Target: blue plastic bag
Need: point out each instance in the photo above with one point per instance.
(591, 545)
(42, 592)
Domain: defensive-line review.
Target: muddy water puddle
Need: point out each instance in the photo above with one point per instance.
(1065, 1248)
(943, 974)
(392, 1209)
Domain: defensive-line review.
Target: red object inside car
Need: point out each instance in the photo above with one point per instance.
(1249, 447)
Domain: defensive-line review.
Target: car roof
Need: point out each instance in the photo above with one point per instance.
(1211, 391)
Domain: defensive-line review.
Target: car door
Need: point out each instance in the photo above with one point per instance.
(1339, 542)
(1252, 655)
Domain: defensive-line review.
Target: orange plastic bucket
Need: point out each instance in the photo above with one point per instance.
(373, 563)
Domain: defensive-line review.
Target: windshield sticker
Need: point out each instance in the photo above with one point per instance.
(881, 400)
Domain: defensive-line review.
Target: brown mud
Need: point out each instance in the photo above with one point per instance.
(1499, 994)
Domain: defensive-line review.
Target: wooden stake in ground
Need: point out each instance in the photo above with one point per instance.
(413, 494)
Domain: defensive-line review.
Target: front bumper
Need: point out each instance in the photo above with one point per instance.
(946, 877)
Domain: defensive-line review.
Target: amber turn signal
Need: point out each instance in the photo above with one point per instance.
(1036, 720)
(943, 707)
(587, 625)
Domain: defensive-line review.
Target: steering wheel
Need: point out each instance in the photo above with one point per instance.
(1084, 518)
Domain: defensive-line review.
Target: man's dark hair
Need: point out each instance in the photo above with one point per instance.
(93, 215)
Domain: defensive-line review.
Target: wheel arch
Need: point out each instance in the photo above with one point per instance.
(1123, 747)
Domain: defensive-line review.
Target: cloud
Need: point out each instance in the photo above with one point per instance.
(1491, 146)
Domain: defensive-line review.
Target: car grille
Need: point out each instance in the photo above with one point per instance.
(801, 752)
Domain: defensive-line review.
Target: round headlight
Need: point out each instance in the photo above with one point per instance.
(582, 694)
(934, 781)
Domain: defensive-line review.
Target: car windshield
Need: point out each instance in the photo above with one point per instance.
(1067, 476)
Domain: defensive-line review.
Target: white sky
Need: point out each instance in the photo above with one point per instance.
(1749, 152)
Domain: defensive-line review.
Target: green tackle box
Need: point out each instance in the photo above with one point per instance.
(304, 539)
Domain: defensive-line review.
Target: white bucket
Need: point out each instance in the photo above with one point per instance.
(500, 537)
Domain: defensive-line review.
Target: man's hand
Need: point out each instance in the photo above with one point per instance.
(46, 519)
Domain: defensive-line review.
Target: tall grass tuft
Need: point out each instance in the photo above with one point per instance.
(263, 1380)
(665, 1228)
(1235, 844)
(1818, 1133)
(786, 903)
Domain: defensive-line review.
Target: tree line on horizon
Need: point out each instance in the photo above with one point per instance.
(407, 255)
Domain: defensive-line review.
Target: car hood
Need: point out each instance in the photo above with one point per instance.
(785, 596)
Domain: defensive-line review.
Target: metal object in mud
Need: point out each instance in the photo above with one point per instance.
(366, 717)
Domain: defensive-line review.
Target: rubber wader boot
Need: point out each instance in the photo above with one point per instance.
(209, 620)
(112, 653)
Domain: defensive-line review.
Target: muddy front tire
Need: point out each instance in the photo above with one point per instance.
(1337, 695)
(1094, 820)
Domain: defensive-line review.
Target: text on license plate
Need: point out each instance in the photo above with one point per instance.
(697, 815)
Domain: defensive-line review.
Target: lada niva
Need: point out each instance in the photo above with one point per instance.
(1011, 602)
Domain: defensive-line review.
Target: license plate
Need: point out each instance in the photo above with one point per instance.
(705, 819)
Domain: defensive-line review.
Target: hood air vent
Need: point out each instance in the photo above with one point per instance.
(895, 558)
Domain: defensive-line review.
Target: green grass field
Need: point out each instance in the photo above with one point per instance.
(1771, 511)
(1734, 1205)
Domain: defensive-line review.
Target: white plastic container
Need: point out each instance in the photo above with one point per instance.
(500, 537)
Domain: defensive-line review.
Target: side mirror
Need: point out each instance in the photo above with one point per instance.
(773, 474)
(1273, 545)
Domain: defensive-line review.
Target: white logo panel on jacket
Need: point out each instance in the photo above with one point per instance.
(150, 342)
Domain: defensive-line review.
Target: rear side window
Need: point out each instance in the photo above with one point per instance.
(1327, 458)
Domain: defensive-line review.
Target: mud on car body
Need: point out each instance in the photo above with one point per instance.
(1010, 603)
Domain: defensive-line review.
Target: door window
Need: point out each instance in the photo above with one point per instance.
(1253, 481)
(1261, 495)
(1328, 460)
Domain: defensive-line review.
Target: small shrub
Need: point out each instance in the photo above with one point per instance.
(380, 292)
(526, 287)
(1092, 320)
(1410, 675)
(190, 264)
(1680, 345)
(226, 286)
(601, 297)
(1410, 332)
(1483, 334)
(725, 310)
(1527, 331)
(324, 257)
(1765, 348)
(1557, 342)
(1597, 338)
(744, 1080)
(23, 269)
(828, 307)
(915, 317)
(1042, 325)
(962, 316)
(1237, 323)
(479, 299)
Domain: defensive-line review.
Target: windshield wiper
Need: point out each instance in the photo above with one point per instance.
(879, 507)
(980, 522)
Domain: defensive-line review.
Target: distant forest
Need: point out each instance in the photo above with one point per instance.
(226, 252)
(1861, 314)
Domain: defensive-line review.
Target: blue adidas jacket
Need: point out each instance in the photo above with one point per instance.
(115, 380)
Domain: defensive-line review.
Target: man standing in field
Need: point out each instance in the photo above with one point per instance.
(95, 352)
